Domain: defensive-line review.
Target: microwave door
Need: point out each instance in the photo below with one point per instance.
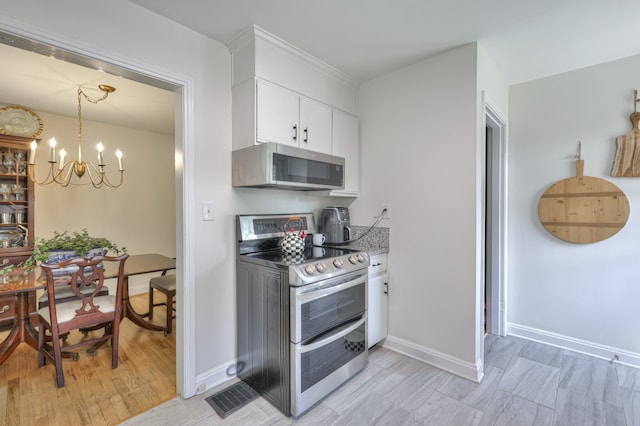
(307, 172)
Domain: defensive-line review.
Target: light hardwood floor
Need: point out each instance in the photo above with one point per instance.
(526, 383)
(93, 394)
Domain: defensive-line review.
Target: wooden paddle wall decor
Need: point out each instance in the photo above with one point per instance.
(583, 209)
(626, 162)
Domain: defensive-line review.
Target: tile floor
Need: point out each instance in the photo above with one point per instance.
(525, 383)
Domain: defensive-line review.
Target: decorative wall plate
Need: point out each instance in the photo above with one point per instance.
(18, 121)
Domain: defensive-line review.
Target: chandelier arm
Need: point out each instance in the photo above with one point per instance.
(62, 176)
(98, 177)
(110, 185)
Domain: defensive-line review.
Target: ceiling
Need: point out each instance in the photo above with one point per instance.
(43, 83)
(369, 38)
(363, 38)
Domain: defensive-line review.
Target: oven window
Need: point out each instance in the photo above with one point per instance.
(332, 310)
(319, 363)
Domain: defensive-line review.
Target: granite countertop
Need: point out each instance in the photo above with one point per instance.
(375, 242)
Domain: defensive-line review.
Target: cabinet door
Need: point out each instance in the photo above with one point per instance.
(16, 200)
(346, 144)
(315, 125)
(377, 311)
(276, 114)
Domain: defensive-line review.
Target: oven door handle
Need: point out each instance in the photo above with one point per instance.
(339, 333)
(310, 296)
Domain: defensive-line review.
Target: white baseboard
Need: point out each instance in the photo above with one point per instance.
(214, 377)
(467, 370)
(597, 350)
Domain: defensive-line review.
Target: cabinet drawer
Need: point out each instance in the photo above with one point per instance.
(7, 307)
(378, 263)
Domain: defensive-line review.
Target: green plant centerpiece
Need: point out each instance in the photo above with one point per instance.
(63, 246)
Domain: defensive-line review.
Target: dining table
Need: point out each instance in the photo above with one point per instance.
(138, 264)
(16, 288)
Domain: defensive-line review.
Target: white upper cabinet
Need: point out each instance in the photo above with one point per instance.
(281, 94)
(276, 114)
(345, 144)
(285, 117)
(315, 125)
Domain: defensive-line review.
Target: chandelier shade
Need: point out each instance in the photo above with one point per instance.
(63, 173)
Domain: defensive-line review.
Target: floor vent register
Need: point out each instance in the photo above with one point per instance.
(231, 399)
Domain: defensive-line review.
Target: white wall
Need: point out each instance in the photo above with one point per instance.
(581, 296)
(419, 154)
(142, 209)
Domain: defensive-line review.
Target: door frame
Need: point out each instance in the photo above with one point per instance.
(31, 38)
(497, 288)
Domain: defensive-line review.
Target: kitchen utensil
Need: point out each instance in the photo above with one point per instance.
(319, 239)
(583, 209)
(625, 162)
(292, 243)
(335, 224)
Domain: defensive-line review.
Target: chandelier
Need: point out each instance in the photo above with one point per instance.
(62, 173)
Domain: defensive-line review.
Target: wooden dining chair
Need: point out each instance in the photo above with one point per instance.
(87, 310)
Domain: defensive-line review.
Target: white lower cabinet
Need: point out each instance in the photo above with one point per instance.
(378, 308)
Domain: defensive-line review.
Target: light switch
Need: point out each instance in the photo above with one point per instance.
(207, 210)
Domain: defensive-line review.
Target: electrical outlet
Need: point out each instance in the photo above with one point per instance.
(386, 214)
(201, 388)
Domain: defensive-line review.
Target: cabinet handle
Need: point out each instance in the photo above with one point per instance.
(5, 308)
(306, 134)
(295, 132)
(386, 291)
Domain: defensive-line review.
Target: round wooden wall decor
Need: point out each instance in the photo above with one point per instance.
(583, 209)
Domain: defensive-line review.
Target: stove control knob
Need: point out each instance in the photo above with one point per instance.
(337, 263)
(309, 270)
(320, 267)
(360, 258)
(353, 260)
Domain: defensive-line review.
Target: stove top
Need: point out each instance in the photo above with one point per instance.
(313, 264)
(310, 254)
(259, 238)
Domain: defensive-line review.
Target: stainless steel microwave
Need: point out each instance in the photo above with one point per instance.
(272, 165)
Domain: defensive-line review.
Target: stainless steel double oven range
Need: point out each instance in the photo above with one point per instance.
(302, 319)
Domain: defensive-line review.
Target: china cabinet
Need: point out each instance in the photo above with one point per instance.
(16, 200)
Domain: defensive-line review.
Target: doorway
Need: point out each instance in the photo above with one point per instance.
(34, 40)
(494, 223)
